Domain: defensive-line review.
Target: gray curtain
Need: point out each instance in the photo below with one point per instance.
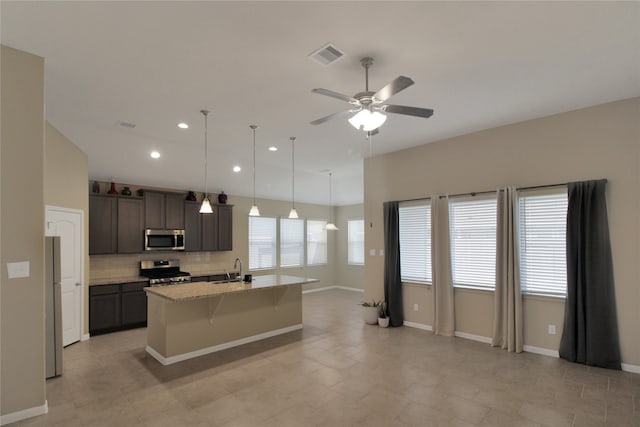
(442, 285)
(507, 318)
(590, 334)
(392, 282)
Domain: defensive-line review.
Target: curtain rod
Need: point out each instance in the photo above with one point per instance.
(476, 193)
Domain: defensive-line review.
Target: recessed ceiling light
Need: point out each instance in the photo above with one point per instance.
(183, 125)
(237, 168)
(155, 155)
(272, 148)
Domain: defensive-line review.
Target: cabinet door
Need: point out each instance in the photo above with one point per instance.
(103, 224)
(154, 210)
(104, 312)
(174, 211)
(130, 226)
(192, 227)
(134, 304)
(210, 230)
(225, 228)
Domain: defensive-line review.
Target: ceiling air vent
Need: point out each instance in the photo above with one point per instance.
(126, 124)
(326, 55)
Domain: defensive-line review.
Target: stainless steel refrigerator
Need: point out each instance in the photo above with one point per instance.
(53, 309)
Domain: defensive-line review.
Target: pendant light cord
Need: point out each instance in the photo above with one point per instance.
(206, 114)
(254, 127)
(293, 173)
(331, 196)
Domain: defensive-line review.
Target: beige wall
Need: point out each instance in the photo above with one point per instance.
(106, 266)
(66, 170)
(347, 275)
(22, 231)
(592, 143)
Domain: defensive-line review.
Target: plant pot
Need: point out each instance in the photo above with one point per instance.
(370, 315)
(383, 321)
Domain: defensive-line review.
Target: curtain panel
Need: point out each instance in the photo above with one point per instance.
(507, 318)
(590, 334)
(392, 281)
(442, 283)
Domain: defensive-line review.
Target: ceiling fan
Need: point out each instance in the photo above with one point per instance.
(369, 107)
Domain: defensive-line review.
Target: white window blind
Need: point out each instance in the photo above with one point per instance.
(543, 259)
(355, 248)
(262, 243)
(316, 242)
(473, 242)
(291, 242)
(415, 243)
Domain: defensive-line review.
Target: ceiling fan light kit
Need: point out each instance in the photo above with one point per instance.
(369, 107)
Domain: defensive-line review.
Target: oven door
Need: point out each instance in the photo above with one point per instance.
(163, 240)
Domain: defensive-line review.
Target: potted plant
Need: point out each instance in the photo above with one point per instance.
(370, 312)
(383, 317)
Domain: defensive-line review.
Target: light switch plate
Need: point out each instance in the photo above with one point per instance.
(552, 329)
(372, 252)
(16, 270)
(381, 252)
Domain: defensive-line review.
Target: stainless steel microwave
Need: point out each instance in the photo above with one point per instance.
(163, 240)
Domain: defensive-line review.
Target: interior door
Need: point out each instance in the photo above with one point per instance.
(68, 224)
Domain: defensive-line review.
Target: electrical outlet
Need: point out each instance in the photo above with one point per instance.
(552, 329)
(416, 307)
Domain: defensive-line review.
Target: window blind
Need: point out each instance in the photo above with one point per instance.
(415, 243)
(316, 242)
(262, 243)
(355, 247)
(291, 242)
(472, 224)
(543, 260)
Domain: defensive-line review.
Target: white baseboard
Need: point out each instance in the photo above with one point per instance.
(473, 337)
(328, 288)
(631, 368)
(540, 350)
(85, 337)
(185, 356)
(24, 414)
(418, 326)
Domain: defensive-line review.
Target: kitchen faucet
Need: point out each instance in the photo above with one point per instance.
(235, 265)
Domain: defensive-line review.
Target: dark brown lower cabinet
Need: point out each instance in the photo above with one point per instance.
(117, 307)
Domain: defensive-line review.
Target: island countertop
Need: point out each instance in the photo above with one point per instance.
(190, 291)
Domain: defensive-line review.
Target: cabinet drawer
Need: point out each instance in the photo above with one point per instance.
(104, 289)
(134, 287)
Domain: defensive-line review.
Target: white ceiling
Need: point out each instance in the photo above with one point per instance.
(478, 65)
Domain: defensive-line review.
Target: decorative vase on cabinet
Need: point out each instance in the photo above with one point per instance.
(222, 198)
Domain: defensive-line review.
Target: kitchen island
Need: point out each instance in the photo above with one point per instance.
(192, 319)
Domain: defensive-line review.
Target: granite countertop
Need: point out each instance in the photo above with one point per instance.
(117, 280)
(190, 291)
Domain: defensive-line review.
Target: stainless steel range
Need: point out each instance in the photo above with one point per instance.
(164, 272)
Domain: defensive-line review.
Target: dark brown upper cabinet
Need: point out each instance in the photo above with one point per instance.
(164, 210)
(208, 232)
(192, 227)
(130, 225)
(103, 225)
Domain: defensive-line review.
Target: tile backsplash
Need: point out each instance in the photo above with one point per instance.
(127, 266)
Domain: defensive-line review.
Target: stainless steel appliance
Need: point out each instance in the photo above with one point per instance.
(53, 308)
(163, 240)
(163, 272)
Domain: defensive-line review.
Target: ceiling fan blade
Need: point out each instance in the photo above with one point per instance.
(409, 111)
(400, 83)
(330, 116)
(327, 92)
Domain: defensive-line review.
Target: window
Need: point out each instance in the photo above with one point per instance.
(473, 242)
(355, 235)
(291, 242)
(316, 242)
(543, 259)
(262, 243)
(415, 243)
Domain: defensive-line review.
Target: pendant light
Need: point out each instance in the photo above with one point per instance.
(331, 226)
(206, 205)
(293, 214)
(254, 209)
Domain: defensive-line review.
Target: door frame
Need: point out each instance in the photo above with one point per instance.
(47, 209)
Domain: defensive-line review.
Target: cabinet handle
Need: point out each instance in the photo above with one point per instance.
(78, 284)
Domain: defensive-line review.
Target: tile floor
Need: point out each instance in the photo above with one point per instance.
(337, 371)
